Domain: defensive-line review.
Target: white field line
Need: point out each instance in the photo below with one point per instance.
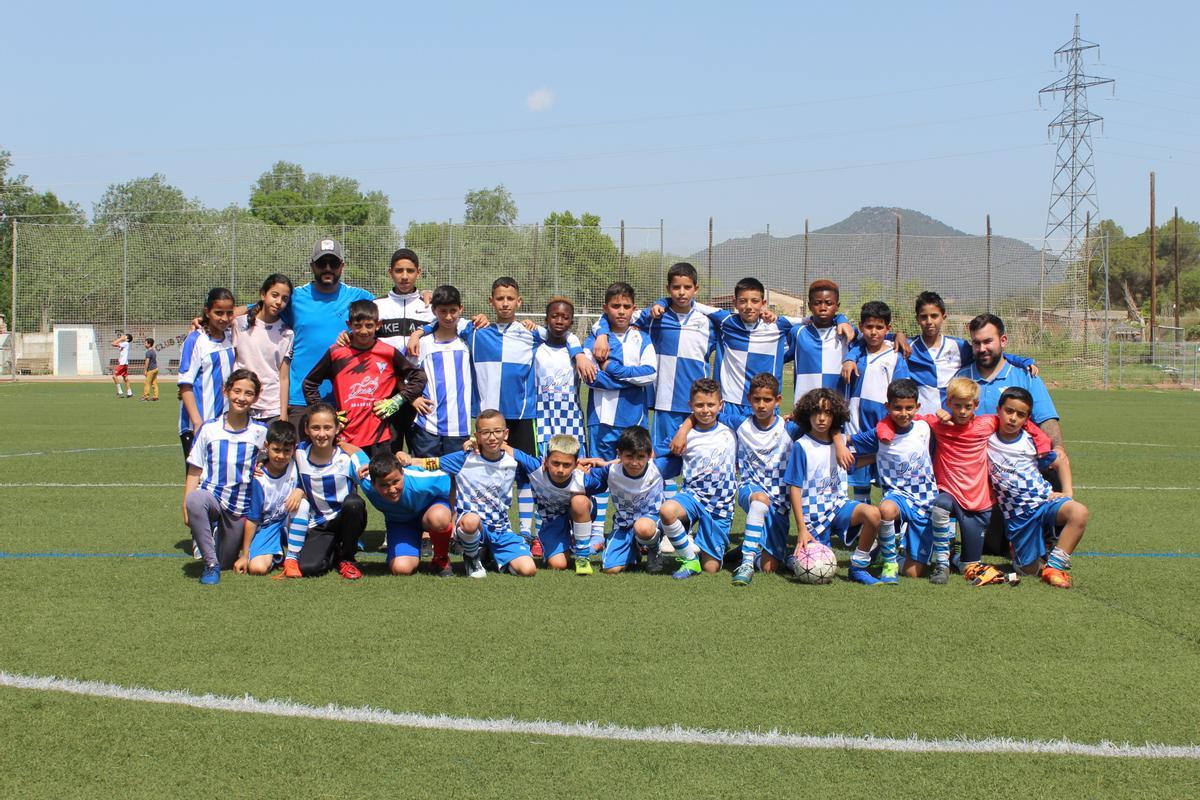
(89, 485)
(673, 734)
(86, 450)
(1142, 488)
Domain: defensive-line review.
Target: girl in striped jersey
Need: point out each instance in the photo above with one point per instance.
(205, 359)
(328, 535)
(216, 493)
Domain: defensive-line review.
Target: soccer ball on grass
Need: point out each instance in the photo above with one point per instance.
(815, 564)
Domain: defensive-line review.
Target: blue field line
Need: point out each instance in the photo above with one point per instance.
(1138, 555)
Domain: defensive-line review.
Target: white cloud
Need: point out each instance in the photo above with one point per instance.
(540, 100)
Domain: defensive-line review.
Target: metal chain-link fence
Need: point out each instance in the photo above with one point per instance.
(77, 287)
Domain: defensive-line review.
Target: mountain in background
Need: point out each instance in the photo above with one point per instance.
(859, 253)
(877, 219)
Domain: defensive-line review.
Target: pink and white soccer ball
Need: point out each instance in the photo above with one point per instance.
(815, 564)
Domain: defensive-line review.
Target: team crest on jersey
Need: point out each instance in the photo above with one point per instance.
(381, 365)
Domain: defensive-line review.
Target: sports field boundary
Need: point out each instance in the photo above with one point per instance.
(673, 734)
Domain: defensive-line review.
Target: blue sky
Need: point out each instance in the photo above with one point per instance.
(753, 113)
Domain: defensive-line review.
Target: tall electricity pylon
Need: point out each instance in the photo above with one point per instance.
(1073, 189)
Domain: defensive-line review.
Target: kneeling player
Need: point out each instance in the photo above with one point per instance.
(273, 497)
(709, 467)
(634, 484)
(817, 485)
(1032, 510)
(906, 471)
(411, 501)
(483, 485)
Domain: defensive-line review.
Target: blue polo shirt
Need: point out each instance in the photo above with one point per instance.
(317, 318)
(990, 391)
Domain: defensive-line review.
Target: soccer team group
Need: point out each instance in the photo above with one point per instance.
(489, 408)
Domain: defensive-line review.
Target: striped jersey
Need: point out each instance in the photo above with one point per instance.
(204, 364)
(484, 486)
(226, 460)
(867, 394)
(933, 367)
(762, 457)
(269, 492)
(421, 490)
(813, 468)
(558, 409)
(683, 344)
(818, 354)
(623, 392)
(448, 386)
(904, 464)
(631, 497)
(326, 485)
(1013, 469)
(709, 468)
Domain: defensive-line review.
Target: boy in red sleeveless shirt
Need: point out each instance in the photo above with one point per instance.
(371, 381)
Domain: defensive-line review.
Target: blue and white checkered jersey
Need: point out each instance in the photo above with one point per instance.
(709, 468)
(623, 392)
(867, 395)
(226, 461)
(632, 497)
(746, 351)
(558, 410)
(502, 360)
(933, 367)
(762, 457)
(554, 501)
(904, 464)
(484, 487)
(327, 485)
(683, 343)
(818, 354)
(1013, 469)
(448, 386)
(204, 364)
(813, 467)
(268, 493)
(421, 490)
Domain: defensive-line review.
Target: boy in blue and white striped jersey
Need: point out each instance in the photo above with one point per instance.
(635, 484)
(871, 365)
(443, 420)
(220, 465)
(684, 339)
(328, 535)
(270, 492)
(709, 468)
(623, 389)
(935, 358)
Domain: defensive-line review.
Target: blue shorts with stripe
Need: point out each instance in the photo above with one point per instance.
(1027, 533)
(840, 524)
(776, 525)
(505, 546)
(918, 533)
(268, 540)
(712, 534)
(556, 536)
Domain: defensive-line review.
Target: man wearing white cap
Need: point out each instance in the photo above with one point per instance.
(317, 314)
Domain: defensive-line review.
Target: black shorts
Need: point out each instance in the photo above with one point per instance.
(520, 436)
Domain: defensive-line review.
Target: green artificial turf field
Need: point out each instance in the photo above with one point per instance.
(1114, 659)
